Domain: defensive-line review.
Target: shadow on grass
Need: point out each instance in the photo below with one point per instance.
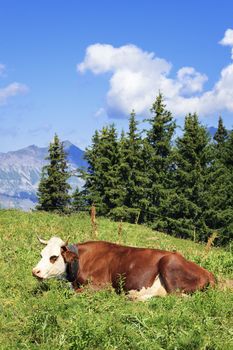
(40, 289)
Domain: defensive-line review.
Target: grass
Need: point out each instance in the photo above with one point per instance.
(51, 316)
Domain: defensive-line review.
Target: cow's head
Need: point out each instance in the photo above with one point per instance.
(53, 262)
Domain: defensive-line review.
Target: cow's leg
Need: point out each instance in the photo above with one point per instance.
(181, 276)
(157, 289)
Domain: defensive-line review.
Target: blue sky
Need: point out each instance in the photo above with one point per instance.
(70, 67)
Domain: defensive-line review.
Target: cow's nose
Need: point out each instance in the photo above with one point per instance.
(35, 272)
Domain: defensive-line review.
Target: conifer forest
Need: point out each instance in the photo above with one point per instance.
(180, 185)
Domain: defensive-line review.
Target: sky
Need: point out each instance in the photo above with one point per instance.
(71, 67)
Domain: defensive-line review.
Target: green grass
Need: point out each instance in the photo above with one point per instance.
(51, 316)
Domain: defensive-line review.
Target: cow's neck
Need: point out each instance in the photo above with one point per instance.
(72, 267)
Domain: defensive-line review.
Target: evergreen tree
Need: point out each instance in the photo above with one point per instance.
(79, 201)
(92, 176)
(228, 154)
(157, 157)
(131, 170)
(220, 214)
(221, 134)
(188, 204)
(53, 188)
(103, 185)
(227, 231)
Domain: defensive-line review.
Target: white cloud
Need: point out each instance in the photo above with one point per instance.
(11, 90)
(190, 80)
(101, 58)
(137, 76)
(228, 40)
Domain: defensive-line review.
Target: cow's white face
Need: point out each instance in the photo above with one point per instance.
(52, 263)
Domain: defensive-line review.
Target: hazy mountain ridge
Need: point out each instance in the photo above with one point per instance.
(20, 174)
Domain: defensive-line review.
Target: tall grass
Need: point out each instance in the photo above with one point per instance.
(50, 315)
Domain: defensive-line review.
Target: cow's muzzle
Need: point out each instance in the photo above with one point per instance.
(36, 273)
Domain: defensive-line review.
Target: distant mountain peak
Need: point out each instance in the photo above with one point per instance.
(20, 173)
(212, 131)
(68, 144)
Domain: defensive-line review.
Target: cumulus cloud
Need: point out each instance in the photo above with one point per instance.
(101, 58)
(11, 90)
(190, 80)
(137, 76)
(133, 71)
(227, 40)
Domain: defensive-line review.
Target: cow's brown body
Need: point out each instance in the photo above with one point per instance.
(103, 263)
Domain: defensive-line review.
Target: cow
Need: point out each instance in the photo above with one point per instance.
(140, 272)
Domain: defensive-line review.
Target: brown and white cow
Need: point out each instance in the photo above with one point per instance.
(140, 272)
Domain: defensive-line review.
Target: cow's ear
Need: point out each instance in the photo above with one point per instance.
(69, 257)
(64, 249)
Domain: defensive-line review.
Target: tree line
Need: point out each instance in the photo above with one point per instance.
(183, 187)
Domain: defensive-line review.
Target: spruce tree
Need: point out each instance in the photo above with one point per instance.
(220, 213)
(228, 161)
(189, 201)
(53, 191)
(114, 193)
(79, 201)
(157, 157)
(102, 177)
(221, 134)
(92, 176)
(132, 174)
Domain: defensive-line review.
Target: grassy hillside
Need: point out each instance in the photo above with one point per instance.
(50, 316)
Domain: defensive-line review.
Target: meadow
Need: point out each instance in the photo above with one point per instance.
(50, 315)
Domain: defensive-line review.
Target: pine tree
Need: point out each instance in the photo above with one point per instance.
(228, 161)
(53, 191)
(220, 214)
(132, 175)
(102, 177)
(221, 134)
(157, 157)
(79, 201)
(114, 193)
(91, 176)
(188, 204)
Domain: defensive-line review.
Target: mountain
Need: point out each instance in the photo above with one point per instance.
(212, 130)
(20, 174)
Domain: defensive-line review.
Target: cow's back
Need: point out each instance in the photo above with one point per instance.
(121, 266)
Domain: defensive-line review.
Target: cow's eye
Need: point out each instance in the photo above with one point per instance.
(53, 258)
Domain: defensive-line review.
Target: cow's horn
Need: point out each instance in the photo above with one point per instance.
(67, 241)
(43, 241)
